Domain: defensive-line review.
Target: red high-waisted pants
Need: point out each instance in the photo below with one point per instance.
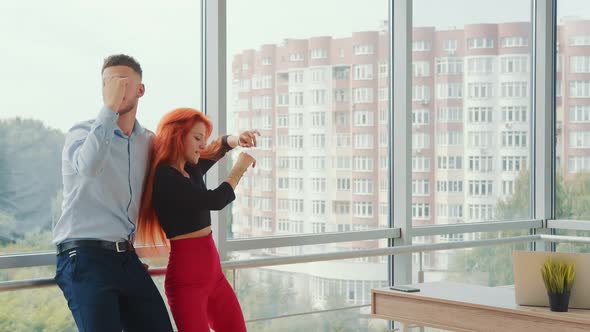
(198, 293)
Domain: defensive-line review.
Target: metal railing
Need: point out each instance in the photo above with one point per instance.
(273, 261)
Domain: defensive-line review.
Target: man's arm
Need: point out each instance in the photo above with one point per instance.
(86, 147)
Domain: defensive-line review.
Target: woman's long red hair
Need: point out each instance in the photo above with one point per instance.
(168, 147)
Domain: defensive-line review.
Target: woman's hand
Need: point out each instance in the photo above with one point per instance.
(244, 161)
(247, 138)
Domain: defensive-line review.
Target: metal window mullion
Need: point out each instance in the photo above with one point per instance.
(214, 99)
(401, 94)
(543, 125)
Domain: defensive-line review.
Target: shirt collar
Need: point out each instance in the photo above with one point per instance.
(137, 129)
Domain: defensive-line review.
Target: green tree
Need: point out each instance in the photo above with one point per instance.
(572, 200)
(495, 261)
(30, 171)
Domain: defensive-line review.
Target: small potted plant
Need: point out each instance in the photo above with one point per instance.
(559, 279)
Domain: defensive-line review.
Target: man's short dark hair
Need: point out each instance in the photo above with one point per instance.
(122, 60)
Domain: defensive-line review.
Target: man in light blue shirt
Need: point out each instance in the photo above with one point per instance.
(104, 165)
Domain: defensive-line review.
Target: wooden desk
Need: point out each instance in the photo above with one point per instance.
(461, 307)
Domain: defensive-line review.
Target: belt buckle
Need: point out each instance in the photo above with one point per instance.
(117, 246)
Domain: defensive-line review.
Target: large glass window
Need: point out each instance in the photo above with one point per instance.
(572, 109)
(329, 82)
(52, 54)
(479, 124)
(482, 112)
(342, 82)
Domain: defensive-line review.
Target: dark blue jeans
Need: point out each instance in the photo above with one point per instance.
(109, 291)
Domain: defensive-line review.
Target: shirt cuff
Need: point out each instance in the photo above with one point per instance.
(106, 116)
(225, 143)
(231, 195)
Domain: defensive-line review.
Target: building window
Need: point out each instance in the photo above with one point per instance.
(318, 141)
(507, 187)
(317, 162)
(363, 95)
(340, 95)
(449, 210)
(319, 53)
(363, 186)
(343, 162)
(341, 207)
(449, 90)
(363, 72)
(318, 207)
(514, 89)
(450, 138)
(363, 118)
(363, 163)
(579, 164)
(479, 90)
(480, 211)
(421, 45)
(318, 185)
(515, 41)
(363, 209)
(343, 140)
(343, 184)
(480, 42)
(579, 89)
(266, 61)
(420, 164)
(318, 75)
(581, 40)
(318, 119)
(364, 49)
(513, 163)
(420, 210)
(318, 97)
(580, 64)
(480, 139)
(383, 70)
(421, 187)
(514, 114)
(449, 186)
(480, 187)
(296, 77)
(449, 114)
(449, 162)
(421, 68)
(514, 64)
(480, 65)
(449, 66)
(514, 139)
(420, 93)
(296, 99)
(450, 45)
(420, 116)
(479, 115)
(420, 141)
(580, 139)
(363, 141)
(482, 164)
(283, 99)
(296, 57)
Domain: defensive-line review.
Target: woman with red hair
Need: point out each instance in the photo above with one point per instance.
(176, 206)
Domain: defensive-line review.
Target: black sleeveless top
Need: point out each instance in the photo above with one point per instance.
(183, 204)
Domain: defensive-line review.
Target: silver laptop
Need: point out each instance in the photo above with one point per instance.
(528, 284)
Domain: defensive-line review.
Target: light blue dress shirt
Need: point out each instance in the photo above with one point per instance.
(103, 176)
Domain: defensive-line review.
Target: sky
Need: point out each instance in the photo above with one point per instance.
(52, 51)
